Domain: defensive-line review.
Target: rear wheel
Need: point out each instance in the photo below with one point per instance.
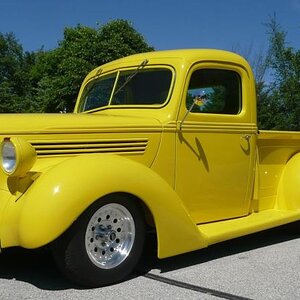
(104, 245)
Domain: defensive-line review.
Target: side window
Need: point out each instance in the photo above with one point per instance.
(215, 91)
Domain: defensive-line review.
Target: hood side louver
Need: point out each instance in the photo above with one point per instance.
(67, 147)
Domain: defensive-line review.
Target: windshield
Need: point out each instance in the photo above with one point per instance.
(148, 87)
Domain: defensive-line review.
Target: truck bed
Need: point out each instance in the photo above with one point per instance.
(275, 148)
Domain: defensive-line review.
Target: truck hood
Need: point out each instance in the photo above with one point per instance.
(31, 124)
(59, 136)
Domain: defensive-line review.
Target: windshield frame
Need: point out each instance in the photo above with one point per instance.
(118, 71)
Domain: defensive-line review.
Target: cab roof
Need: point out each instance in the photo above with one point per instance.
(166, 56)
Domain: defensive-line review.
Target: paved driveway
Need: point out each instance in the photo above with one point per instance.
(260, 266)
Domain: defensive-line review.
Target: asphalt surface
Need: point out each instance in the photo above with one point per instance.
(260, 266)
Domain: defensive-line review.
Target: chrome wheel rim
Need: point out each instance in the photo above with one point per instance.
(110, 235)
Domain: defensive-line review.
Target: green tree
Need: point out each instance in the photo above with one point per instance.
(62, 70)
(14, 67)
(279, 104)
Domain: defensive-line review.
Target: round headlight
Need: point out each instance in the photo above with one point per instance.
(9, 159)
(17, 156)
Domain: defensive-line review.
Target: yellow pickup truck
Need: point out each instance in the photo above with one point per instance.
(164, 141)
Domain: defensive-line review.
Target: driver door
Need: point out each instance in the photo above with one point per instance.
(216, 144)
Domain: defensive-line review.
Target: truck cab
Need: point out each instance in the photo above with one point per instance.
(212, 143)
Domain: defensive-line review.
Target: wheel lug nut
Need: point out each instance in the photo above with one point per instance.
(112, 236)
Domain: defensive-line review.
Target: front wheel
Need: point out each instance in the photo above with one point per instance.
(104, 245)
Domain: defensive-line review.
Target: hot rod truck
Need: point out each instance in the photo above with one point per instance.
(164, 141)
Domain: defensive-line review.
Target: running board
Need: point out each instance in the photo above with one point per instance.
(225, 230)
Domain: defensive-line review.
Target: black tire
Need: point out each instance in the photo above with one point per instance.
(90, 255)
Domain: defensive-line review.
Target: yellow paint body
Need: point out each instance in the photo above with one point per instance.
(203, 177)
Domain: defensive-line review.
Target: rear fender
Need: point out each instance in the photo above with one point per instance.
(60, 195)
(288, 197)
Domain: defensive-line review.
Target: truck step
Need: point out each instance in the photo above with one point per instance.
(224, 230)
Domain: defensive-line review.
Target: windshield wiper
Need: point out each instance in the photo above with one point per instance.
(129, 78)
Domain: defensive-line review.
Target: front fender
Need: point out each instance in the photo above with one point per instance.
(58, 197)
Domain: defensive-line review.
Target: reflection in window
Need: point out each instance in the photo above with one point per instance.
(214, 91)
(148, 87)
(97, 93)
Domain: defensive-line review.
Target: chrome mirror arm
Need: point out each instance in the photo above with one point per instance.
(186, 114)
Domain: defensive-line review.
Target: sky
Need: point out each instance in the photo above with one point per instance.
(165, 24)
